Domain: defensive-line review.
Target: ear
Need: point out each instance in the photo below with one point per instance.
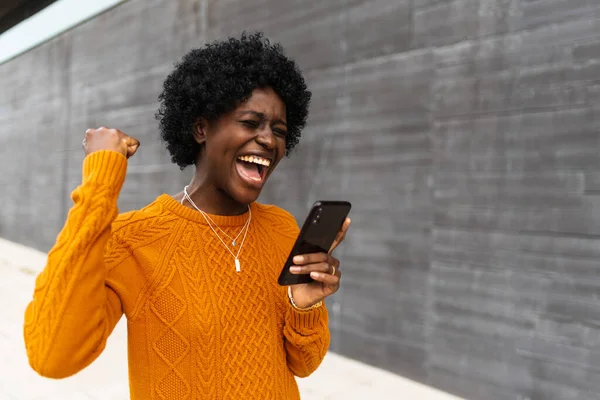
(200, 130)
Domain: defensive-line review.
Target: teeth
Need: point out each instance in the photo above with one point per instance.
(255, 160)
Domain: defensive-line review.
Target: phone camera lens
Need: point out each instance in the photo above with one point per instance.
(317, 215)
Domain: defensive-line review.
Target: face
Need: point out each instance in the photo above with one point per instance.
(242, 148)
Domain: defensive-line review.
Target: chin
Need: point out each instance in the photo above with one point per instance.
(245, 196)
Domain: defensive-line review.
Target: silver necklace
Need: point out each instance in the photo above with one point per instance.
(233, 240)
(208, 220)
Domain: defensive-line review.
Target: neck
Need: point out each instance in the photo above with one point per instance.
(211, 200)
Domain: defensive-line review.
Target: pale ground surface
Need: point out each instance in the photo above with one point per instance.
(106, 379)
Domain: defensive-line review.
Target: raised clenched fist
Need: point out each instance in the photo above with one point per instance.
(109, 139)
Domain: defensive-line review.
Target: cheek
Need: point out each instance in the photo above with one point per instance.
(216, 164)
(279, 158)
(281, 144)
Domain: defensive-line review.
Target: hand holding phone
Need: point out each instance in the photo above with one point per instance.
(310, 267)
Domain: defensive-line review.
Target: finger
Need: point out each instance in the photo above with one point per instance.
(85, 137)
(328, 279)
(312, 258)
(132, 146)
(133, 149)
(307, 269)
(346, 224)
(130, 141)
(333, 262)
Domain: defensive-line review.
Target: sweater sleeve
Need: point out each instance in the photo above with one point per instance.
(306, 333)
(306, 338)
(74, 309)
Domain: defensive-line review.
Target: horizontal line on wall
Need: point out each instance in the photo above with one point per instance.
(150, 168)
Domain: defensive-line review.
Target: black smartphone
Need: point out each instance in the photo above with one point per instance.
(316, 236)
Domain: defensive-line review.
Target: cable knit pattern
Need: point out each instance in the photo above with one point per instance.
(197, 328)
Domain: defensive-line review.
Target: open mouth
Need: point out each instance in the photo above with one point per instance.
(253, 168)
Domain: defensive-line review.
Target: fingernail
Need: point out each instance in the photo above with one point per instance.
(314, 275)
(295, 269)
(298, 259)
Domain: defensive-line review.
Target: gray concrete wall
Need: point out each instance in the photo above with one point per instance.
(464, 132)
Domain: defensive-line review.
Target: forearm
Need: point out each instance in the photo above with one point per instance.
(307, 338)
(72, 311)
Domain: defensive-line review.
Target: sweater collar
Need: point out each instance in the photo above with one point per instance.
(173, 206)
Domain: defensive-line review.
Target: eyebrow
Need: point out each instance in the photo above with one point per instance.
(261, 116)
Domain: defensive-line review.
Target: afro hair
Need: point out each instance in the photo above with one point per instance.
(216, 78)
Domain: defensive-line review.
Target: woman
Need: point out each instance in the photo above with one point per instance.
(194, 273)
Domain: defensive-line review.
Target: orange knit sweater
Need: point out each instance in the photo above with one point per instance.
(197, 329)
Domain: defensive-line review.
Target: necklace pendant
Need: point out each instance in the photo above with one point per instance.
(238, 268)
(233, 243)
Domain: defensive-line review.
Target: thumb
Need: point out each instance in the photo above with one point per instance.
(132, 145)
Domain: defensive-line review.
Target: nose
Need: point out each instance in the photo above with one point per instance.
(266, 138)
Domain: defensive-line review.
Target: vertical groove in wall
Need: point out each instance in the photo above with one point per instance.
(65, 125)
